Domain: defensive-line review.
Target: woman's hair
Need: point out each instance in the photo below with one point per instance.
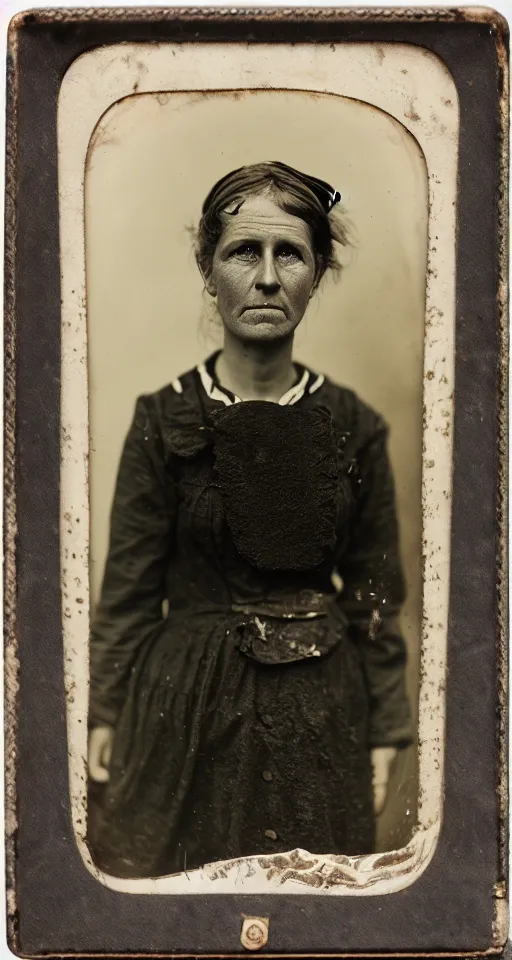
(296, 194)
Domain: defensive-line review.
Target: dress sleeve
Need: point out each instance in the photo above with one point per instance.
(133, 590)
(373, 592)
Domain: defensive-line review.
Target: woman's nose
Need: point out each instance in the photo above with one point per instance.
(267, 278)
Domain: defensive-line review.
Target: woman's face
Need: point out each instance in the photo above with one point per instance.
(263, 271)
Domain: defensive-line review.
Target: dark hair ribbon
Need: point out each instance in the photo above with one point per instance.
(327, 196)
(322, 190)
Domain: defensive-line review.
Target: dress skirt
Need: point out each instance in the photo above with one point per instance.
(218, 755)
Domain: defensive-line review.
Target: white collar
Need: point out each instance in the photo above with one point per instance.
(290, 397)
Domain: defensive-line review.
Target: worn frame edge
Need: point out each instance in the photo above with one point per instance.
(501, 887)
(11, 661)
(476, 14)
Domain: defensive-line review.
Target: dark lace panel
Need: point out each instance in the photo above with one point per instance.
(277, 471)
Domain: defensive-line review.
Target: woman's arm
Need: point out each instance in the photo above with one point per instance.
(373, 592)
(133, 590)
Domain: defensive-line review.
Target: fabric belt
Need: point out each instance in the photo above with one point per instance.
(307, 625)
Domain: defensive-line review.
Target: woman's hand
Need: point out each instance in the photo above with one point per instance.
(382, 762)
(101, 740)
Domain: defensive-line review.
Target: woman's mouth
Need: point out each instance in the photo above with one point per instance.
(265, 306)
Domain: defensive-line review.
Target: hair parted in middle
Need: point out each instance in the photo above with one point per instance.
(296, 193)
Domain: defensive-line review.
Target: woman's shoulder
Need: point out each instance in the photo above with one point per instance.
(174, 398)
(171, 419)
(350, 412)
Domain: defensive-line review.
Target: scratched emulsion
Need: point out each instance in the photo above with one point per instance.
(356, 339)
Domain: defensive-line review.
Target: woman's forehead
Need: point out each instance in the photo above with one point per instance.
(262, 217)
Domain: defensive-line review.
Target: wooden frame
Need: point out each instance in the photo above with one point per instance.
(442, 875)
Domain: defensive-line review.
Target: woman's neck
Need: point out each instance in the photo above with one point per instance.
(255, 371)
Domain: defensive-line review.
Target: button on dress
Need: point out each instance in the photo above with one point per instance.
(246, 688)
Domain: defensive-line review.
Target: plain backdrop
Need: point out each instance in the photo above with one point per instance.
(152, 160)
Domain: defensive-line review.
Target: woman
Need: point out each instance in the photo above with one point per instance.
(255, 502)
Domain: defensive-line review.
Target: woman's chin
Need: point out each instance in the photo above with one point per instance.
(263, 330)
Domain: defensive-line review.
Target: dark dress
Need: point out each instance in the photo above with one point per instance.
(246, 645)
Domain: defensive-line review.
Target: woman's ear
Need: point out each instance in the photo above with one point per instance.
(209, 283)
(316, 282)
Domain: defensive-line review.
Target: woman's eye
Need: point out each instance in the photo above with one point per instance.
(246, 251)
(288, 253)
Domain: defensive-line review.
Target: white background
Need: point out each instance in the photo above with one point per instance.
(7, 9)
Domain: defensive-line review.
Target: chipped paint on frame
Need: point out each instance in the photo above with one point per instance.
(414, 87)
